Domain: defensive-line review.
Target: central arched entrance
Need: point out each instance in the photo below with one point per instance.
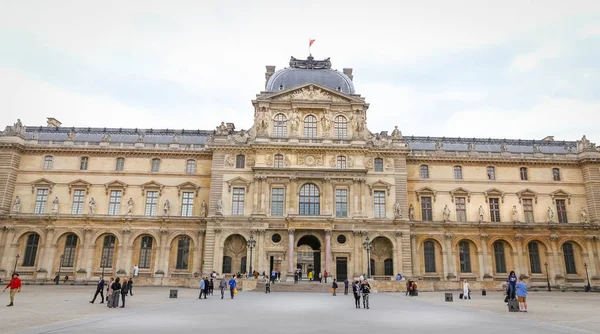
(309, 255)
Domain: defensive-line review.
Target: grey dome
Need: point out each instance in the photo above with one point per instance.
(308, 71)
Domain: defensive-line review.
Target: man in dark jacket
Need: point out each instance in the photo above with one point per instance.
(346, 286)
(206, 286)
(99, 290)
(130, 286)
(124, 291)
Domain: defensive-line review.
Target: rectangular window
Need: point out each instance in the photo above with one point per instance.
(151, 203)
(491, 173)
(379, 203)
(114, 205)
(499, 257)
(523, 172)
(528, 210)
(240, 161)
(78, 196)
(155, 165)
(277, 200)
(48, 162)
(426, 209)
(237, 205)
(378, 164)
(424, 171)
(341, 202)
(190, 166)
(494, 210)
(429, 254)
(458, 172)
(120, 164)
(461, 209)
(561, 211)
(40, 201)
(556, 174)
(187, 204)
(83, 164)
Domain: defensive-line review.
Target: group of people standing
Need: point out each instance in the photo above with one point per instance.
(516, 289)
(361, 288)
(115, 290)
(206, 286)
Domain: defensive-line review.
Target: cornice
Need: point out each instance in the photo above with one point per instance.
(493, 160)
(117, 151)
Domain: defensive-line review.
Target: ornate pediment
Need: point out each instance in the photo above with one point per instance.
(426, 191)
(238, 181)
(494, 193)
(152, 185)
(116, 184)
(460, 192)
(187, 186)
(379, 184)
(42, 183)
(527, 193)
(560, 194)
(81, 184)
(310, 92)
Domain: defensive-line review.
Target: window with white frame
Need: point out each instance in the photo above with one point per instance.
(151, 203)
(340, 127)
(280, 126)
(83, 163)
(187, 204)
(78, 196)
(48, 160)
(237, 203)
(341, 162)
(310, 126)
(278, 161)
(190, 166)
(155, 165)
(277, 201)
(114, 204)
(120, 164)
(40, 201)
(379, 203)
(341, 202)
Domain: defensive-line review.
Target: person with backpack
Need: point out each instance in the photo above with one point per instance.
(334, 287)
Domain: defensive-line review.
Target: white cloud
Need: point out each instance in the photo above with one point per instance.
(590, 31)
(535, 59)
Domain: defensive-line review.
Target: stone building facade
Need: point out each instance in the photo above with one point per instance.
(310, 184)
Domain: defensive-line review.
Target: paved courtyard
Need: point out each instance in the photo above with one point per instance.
(65, 309)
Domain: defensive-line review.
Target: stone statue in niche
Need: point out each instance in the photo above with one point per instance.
(166, 208)
(397, 209)
(396, 134)
(411, 213)
(584, 216)
(203, 210)
(129, 207)
(294, 123)
(550, 215)
(446, 214)
(17, 206)
(481, 213)
(220, 206)
(325, 123)
(515, 214)
(55, 205)
(92, 205)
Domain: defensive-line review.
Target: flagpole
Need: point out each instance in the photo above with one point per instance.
(309, 46)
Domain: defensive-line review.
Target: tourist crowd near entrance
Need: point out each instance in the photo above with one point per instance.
(309, 189)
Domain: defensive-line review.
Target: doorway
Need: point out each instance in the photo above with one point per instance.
(308, 255)
(341, 268)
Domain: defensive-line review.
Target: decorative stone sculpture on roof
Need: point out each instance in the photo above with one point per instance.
(396, 134)
(584, 144)
(310, 63)
(16, 130)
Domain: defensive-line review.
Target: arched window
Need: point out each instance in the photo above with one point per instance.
(240, 161)
(48, 162)
(108, 251)
(499, 257)
(458, 173)
(388, 267)
(155, 165)
(378, 165)
(340, 127)
(429, 255)
(31, 250)
(534, 258)
(341, 162)
(226, 265)
(569, 258)
(309, 200)
(310, 126)
(183, 253)
(280, 126)
(69, 252)
(278, 161)
(243, 262)
(372, 267)
(190, 166)
(424, 171)
(465, 257)
(145, 252)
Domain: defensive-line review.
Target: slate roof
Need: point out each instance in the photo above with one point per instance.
(491, 145)
(288, 78)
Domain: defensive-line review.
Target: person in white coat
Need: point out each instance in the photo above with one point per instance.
(466, 291)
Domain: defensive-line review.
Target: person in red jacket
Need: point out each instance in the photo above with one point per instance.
(15, 286)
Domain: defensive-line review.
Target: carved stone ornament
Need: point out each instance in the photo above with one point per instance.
(396, 134)
(310, 93)
(584, 216)
(16, 130)
(553, 237)
(229, 160)
(310, 63)
(310, 160)
(269, 160)
(241, 137)
(449, 236)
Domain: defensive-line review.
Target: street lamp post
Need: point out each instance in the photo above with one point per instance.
(367, 247)
(59, 268)
(103, 264)
(251, 243)
(547, 275)
(16, 260)
(588, 288)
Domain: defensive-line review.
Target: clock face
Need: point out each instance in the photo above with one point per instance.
(310, 160)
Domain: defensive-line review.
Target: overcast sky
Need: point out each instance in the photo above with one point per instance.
(503, 69)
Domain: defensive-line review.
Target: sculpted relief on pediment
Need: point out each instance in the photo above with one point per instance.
(310, 93)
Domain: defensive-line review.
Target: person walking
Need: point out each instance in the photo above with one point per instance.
(366, 290)
(325, 276)
(310, 276)
(346, 286)
(115, 293)
(15, 286)
(521, 289)
(206, 286)
(222, 286)
(320, 277)
(202, 286)
(408, 287)
(268, 287)
(130, 286)
(334, 287)
(56, 279)
(466, 291)
(512, 283)
(232, 285)
(211, 286)
(356, 293)
(124, 291)
(109, 292)
(99, 290)
(136, 270)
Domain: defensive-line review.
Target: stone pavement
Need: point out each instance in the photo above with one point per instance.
(65, 309)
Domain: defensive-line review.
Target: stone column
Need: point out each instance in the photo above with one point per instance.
(162, 251)
(256, 191)
(522, 265)
(218, 252)
(328, 251)
(199, 250)
(399, 263)
(413, 254)
(88, 246)
(291, 243)
(123, 251)
(47, 251)
(483, 262)
(361, 201)
(555, 267)
(7, 256)
(259, 254)
(451, 264)
(355, 194)
(293, 199)
(328, 195)
(591, 262)
(357, 258)
(264, 196)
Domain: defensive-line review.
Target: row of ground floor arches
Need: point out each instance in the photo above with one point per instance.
(184, 254)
